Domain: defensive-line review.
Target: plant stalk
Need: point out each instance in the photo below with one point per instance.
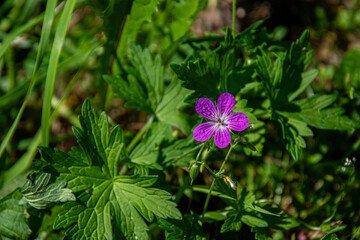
(216, 176)
(234, 18)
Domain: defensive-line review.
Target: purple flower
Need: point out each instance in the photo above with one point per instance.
(220, 120)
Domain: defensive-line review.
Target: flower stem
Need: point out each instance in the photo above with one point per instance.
(234, 18)
(199, 153)
(138, 136)
(208, 168)
(216, 177)
(226, 158)
(208, 199)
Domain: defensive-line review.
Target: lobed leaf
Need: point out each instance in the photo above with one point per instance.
(108, 206)
(145, 89)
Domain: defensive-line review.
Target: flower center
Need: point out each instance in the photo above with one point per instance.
(221, 122)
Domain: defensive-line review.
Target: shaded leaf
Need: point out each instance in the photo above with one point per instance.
(40, 193)
(189, 227)
(181, 152)
(130, 90)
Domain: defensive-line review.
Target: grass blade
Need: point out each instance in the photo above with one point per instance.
(53, 63)
(24, 162)
(45, 33)
(11, 36)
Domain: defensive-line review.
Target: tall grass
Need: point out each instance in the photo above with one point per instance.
(44, 39)
(51, 72)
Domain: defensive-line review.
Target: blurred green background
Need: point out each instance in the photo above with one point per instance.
(323, 183)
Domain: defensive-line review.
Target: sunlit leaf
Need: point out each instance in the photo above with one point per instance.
(105, 201)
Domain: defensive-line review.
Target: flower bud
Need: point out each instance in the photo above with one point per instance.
(194, 172)
(229, 182)
(191, 163)
(202, 168)
(251, 146)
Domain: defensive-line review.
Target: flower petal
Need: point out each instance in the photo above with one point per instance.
(222, 137)
(225, 104)
(204, 131)
(206, 108)
(237, 121)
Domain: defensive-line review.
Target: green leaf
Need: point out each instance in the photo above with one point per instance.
(103, 147)
(245, 210)
(261, 233)
(147, 153)
(258, 209)
(314, 111)
(40, 193)
(254, 221)
(222, 186)
(306, 79)
(240, 106)
(292, 70)
(294, 141)
(141, 11)
(238, 78)
(255, 137)
(181, 152)
(348, 72)
(185, 13)
(151, 72)
(105, 201)
(144, 86)
(198, 76)
(284, 79)
(130, 90)
(220, 69)
(114, 14)
(232, 223)
(168, 109)
(330, 236)
(189, 228)
(145, 89)
(127, 196)
(13, 217)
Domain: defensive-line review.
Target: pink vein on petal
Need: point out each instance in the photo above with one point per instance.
(238, 121)
(206, 108)
(222, 137)
(225, 104)
(204, 131)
